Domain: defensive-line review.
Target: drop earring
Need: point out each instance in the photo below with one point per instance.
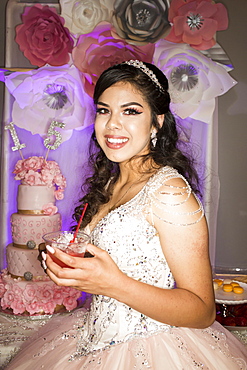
(153, 138)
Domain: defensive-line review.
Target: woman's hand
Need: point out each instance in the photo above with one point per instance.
(96, 275)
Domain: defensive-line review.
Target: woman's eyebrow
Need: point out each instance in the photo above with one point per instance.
(123, 105)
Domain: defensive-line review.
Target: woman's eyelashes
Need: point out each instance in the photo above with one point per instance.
(126, 111)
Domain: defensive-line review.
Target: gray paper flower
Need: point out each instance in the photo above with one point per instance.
(141, 22)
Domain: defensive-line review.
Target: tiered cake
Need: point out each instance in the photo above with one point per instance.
(24, 286)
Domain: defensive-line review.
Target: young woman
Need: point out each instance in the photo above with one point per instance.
(153, 302)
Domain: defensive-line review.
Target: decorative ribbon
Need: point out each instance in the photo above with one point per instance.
(30, 212)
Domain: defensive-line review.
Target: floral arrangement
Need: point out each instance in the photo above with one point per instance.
(35, 298)
(71, 49)
(39, 171)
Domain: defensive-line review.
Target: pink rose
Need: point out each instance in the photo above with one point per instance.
(33, 307)
(60, 181)
(2, 289)
(195, 22)
(49, 209)
(58, 295)
(59, 194)
(32, 178)
(46, 293)
(49, 307)
(69, 303)
(47, 177)
(29, 292)
(43, 38)
(33, 163)
(17, 306)
(18, 166)
(7, 299)
(101, 49)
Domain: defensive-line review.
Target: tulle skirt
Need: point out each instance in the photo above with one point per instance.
(213, 348)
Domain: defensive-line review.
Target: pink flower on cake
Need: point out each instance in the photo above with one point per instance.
(101, 49)
(33, 307)
(30, 292)
(32, 163)
(47, 177)
(2, 288)
(70, 303)
(195, 22)
(18, 306)
(58, 295)
(43, 38)
(7, 298)
(59, 194)
(49, 307)
(45, 293)
(49, 209)
(32, 178)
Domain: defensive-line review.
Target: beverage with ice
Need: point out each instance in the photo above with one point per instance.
(64, 240)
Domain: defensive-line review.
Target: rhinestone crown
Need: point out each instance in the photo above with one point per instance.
(146, 70)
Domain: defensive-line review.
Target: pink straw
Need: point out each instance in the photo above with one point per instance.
(79, 223)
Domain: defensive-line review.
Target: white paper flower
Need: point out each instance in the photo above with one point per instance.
(83, 16)
(194, 80)
(49, 94)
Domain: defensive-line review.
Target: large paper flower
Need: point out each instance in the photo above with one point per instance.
(140, 22)
(195, 22)
(43, 38)
(194, 80)
(83, 16)
(99, 50)
(34, 111)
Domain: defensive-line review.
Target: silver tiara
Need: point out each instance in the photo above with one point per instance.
(146, 70)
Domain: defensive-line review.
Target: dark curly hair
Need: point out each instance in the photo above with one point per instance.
(166, 152)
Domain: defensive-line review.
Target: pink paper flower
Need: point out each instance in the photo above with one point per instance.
(101, 49)
(43, 38)
(195, 22)
(49, 209)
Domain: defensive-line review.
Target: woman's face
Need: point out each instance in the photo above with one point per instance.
(123, 122)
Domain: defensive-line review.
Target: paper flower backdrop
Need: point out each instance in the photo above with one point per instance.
(72, 49)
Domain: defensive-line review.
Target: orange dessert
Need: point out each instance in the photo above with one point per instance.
(238, 289)
(227, 288)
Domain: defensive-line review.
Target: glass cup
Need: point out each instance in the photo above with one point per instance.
(63, 241)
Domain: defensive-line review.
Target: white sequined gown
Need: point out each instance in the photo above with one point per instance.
(113, 336)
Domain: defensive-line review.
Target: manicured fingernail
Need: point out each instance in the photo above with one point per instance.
(44, 265)
(50, 249)
(43, 255)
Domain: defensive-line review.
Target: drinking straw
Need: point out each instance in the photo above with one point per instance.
(79, 223)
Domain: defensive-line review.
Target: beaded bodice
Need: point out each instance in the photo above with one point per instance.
(133, 243)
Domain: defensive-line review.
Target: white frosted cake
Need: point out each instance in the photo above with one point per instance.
(24, 286)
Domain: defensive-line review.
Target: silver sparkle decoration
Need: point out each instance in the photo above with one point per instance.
(195, 21)
(184, 77)
(28, 276)
(52, 132)
(54, 96)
